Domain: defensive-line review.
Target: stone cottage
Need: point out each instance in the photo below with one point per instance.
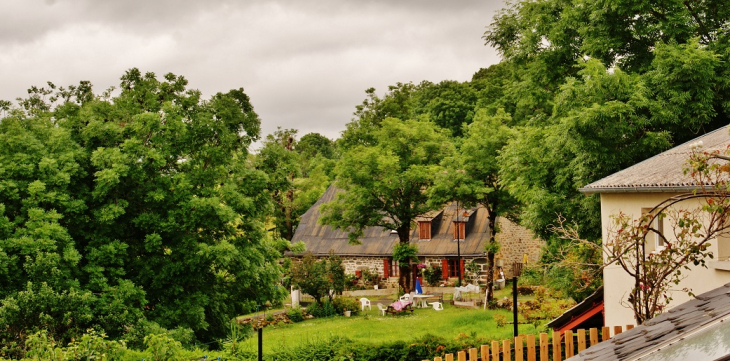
(435, 234)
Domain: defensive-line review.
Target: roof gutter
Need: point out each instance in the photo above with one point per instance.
(672, 189)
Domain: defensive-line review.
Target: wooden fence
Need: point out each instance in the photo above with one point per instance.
(524, 348)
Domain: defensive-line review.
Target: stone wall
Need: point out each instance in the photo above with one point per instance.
(515, 241)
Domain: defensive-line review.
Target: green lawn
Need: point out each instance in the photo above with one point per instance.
(370, 327)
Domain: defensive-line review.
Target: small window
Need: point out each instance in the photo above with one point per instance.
(459, 230)
(723, 247)
(424, 230)
(655, 242)
(453, 270)
(393, 269)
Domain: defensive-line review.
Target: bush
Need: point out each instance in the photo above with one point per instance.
(433, 275)
(322, 309)
(343, 304)
(295, 314)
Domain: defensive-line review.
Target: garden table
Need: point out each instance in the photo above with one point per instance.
(420, 300)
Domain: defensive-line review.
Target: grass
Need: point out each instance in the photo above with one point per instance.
(371, 328)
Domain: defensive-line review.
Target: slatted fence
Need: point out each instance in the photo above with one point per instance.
(531, 348)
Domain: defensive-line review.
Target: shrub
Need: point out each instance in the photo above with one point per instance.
(322, 309)
(432, 275)
(501, 320)
(343, 304)
(295, 314)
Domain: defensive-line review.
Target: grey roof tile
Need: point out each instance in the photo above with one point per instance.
(663, 171)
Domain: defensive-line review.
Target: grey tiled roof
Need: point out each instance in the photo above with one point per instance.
(662, 172)
(677, 322)
(378, 241)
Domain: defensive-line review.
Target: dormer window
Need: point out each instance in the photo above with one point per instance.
(459, 229)
(424, 230)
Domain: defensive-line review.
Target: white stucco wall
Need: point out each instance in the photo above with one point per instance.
(617, 283)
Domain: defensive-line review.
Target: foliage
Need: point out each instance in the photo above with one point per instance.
(472, 176)
(310, 276)
(405, 253)
(501, 320)
(295, 314)
(596, 88)
(343, 304)
(370, 278)
(322, 309)
(318, 278)
(433, 274)
(135, 206)
(472, 269)
(383, 182)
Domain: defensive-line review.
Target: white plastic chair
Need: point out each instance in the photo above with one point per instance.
(365, 302)
(382, 308)
(437, 306)
(406, 297)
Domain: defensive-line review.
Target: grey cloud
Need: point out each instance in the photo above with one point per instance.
(305, 64)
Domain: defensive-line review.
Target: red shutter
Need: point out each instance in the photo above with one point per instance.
(445, 268)
(386, 268)
(462, 268)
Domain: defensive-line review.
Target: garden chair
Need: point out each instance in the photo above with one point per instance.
(406, 297)
(382, 308)
(438, 306)
(365, 302)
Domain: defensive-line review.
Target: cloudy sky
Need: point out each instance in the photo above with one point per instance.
(305, 64)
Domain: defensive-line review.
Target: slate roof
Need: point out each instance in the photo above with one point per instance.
(377, 241)
(662, 172)
(668, 327)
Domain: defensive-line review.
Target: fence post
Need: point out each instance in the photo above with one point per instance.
(605, 334)
(617, 330)
(514, 306)
(461, 356)
(495, 351)
(556, 345)
(472, 354)
(531, 348)
(581, 340)
(438, 359)
(450, 357)
(594, 336)
(261, 343)
(519, 355)
(485, 353)
(506, 352)
(544, 356)
(569, 344)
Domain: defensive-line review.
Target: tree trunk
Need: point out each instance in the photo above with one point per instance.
(490, 256)
(404, 237)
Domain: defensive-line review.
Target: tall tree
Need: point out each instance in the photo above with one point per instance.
(472, 176)
(385, 183)
(279, 161)
(140, 205)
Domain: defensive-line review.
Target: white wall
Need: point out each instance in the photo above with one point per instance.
(618, 284)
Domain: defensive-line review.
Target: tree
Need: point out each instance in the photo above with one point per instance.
(132, 207)
(472, 177)
(319, 279)
(384, 184)
(282, 165)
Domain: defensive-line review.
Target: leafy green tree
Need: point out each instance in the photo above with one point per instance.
(278, 160)
(140, 205)
(472, 176)
(318, 278)
(384, 184)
